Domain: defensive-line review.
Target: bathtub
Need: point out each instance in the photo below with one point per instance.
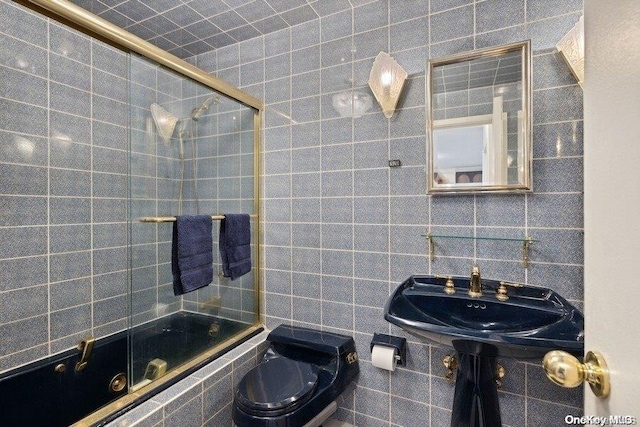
(51, 392)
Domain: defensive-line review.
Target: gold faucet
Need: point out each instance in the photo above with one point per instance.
(475, 285)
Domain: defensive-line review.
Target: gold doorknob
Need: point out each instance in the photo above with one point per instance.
(566, 371)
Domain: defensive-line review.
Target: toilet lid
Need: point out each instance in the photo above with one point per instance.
(276, 384)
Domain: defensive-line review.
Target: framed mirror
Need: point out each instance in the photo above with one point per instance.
(479, 121)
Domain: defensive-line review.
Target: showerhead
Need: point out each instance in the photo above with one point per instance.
(165, 122)
(196, 113)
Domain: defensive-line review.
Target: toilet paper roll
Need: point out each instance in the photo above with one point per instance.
(384, 357)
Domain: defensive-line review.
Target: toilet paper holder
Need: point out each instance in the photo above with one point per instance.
(399, 343)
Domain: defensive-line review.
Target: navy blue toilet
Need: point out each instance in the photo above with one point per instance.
(298, 380)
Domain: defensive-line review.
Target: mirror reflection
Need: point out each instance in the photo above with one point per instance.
(478, 119)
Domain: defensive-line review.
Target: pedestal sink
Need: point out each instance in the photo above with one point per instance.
(522, 322)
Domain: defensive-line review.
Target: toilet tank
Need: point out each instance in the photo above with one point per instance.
(324, 342)
(318, 347)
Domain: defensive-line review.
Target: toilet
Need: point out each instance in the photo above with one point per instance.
(298, 380)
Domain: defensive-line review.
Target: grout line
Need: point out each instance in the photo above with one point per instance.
(91, 213)
(48, 254)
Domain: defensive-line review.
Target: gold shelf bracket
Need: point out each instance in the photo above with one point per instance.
(526, 244)
(431, 250)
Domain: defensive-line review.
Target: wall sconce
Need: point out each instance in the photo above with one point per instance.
(351, 103)
(386, 81)
(571, 46)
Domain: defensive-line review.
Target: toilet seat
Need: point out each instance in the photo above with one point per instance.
(277, 386)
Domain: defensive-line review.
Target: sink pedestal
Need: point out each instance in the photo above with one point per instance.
(475, 402)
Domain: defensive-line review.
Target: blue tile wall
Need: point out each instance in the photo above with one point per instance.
(54, 219)
(327, 177)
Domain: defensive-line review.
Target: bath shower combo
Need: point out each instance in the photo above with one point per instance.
(155, 339)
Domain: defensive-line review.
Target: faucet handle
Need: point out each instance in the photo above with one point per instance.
(501, 292)
(449, 287)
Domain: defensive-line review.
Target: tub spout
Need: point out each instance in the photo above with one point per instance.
(155, 369)
(86, 347)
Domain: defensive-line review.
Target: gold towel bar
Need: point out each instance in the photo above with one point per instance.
(173, 218)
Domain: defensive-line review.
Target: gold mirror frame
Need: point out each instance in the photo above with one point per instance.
(524, 155)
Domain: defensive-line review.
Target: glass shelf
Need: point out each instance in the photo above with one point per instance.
(526, 241)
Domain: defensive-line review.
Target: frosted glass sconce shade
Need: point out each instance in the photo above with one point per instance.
(351, 103)
(386, 81)
(165, 122)
(571, 46)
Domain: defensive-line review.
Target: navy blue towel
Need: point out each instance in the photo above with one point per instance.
(235, 245)
(191, 253)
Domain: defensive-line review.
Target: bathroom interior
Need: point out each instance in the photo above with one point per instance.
(120, 115)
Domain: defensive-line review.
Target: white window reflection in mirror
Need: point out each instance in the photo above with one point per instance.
(479, 129)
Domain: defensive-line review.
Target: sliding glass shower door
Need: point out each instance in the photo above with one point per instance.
(192, 152)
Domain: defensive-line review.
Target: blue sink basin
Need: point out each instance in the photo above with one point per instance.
(530, 323)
